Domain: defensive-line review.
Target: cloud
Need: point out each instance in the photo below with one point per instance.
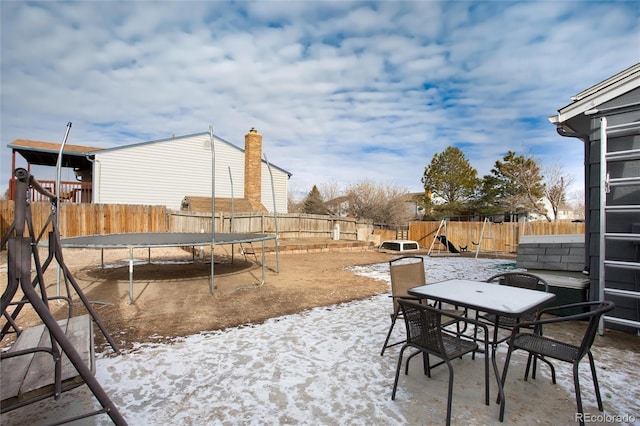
(341, 91)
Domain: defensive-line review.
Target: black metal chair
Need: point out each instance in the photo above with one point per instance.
(516, 279)
(542, 347)
(513, 279)
(425, 332)
(520, 279)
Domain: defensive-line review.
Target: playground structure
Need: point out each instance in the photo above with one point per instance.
(490, 236)
(441, 237)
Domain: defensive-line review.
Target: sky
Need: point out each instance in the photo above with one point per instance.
(323, 367)
(342, 92)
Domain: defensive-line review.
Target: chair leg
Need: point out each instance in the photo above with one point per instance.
(535, 366)
(535, 358)
(475, 336)
(410, 357)
(450, 393)
(595, 381)
(553, 369)
(394, 316)
(501, 398)
(426, 364)
(528, 367)
(395, 383)
(486, 373)
(576, 383)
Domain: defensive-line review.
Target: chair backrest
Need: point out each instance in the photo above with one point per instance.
(593, 316)
(521, 279)
(406, 272)
(423, 324)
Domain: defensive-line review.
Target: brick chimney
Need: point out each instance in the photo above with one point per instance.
(253, 169)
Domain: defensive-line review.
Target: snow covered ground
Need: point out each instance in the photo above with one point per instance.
(323, 367)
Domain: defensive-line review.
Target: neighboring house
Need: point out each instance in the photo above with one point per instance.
(339, 206)
(569, 213)
(164, 172)
(413, 205)
(606, 117)
(566, 213)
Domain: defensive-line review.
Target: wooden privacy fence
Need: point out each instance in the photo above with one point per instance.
(95, 219)
(289, 225)
(501, 237)
(76, 219)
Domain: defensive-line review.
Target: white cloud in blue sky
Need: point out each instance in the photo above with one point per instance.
(341, 91)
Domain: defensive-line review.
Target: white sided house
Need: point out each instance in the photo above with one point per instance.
(165, 172)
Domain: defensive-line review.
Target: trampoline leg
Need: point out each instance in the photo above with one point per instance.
(131, 275)
(213, 287)
(263, 265)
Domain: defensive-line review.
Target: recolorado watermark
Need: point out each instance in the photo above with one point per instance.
(604, 418)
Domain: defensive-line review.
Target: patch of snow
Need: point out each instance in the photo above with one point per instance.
(321, 366)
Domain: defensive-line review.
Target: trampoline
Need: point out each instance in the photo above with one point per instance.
(165, 239)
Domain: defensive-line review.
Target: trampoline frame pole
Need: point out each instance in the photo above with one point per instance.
(57, 201)
(275, 215)
(213, 208)
(131, 275)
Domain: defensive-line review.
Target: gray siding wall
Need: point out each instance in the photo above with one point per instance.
(616, 222)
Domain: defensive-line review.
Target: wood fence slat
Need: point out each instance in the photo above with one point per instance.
(92, 219)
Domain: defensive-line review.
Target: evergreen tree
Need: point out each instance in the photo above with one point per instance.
(451, 179)
(314, 204)
(515, 185)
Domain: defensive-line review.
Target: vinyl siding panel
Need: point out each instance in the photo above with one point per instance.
(280, 182)
(164, 172)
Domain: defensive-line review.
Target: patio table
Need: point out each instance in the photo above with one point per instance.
(492, 298)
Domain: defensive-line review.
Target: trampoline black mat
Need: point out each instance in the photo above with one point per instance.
(161, 239)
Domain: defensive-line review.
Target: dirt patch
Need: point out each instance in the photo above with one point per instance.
(172, 294)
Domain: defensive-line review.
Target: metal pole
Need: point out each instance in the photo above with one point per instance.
(131, 275)
(213, 207)
(602, 227)
(231, 227)
(275, 214)
(57, 204)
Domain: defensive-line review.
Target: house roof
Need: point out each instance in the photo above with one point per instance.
(412, 196)
(46, 153)
(187, 136)
(339, 200)
(598, 94)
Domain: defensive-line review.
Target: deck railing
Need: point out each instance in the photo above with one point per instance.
(70, 191)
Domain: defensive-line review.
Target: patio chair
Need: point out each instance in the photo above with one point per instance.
(406, 272)
(515, 279)
(425, 332)
(543, 348)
